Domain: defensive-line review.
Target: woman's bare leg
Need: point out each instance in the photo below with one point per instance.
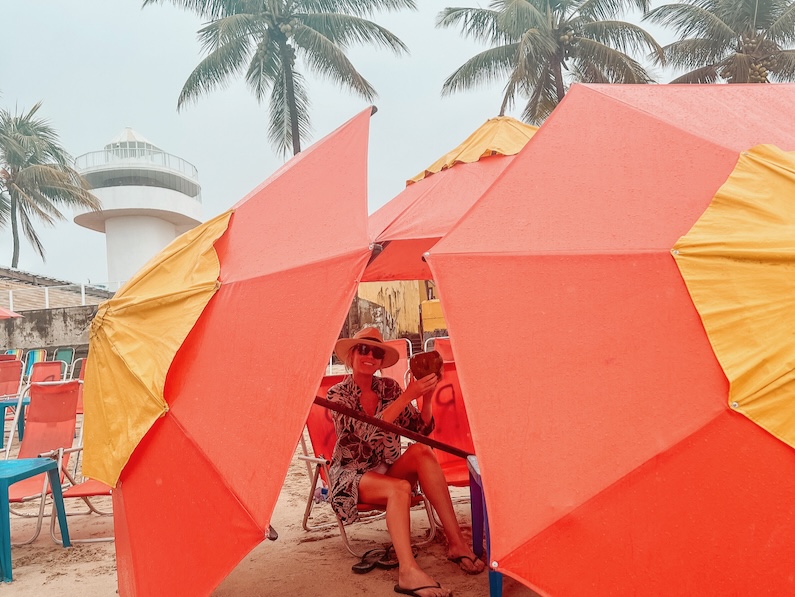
(395, 493)
(418, 462)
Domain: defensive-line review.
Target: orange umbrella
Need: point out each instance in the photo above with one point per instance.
(200, 439)
(7, 313)
(612, 461)
(413, 221)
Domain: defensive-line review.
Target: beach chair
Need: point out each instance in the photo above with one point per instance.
(76, 370)
(452, 426)
(444, 348)
(400, 370)
(66, 355)
(77, 487)
(33, 356)
(45, 371)
(50, 426)
(11, 386)
(322, 435)
(16, 353)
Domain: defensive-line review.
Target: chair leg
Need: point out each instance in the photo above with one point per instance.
(39, 516)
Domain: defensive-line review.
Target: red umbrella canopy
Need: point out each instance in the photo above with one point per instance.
(8, 313)
(433, 201)
(611, 461)
(198, 491)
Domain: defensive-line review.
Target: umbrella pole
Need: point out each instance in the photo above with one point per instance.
(349, 412)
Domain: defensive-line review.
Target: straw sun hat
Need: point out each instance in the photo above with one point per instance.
(370, 337)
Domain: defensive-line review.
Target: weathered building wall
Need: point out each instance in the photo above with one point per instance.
(48, 328)
(400, 299)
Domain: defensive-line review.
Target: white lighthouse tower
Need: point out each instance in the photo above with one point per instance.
(149, 197)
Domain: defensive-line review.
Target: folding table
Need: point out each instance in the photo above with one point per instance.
(12, 471)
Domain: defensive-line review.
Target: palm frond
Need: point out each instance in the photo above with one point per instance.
(483, 68)
(234, 29)
(344, 30)
(782, 30)
(361, 8)
(209, 9)
(517, 16)
(543, 98)
(215, 70)
(264, 68)
(30, 232)
(692, 21)
(705, 74)
(695, 52)
(279, 130)
(783, 70)
(616, 67)
(479, 24)
(625, 37)
(327, 59)
(598, 10)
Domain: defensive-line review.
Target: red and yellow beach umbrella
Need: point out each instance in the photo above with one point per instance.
(203, 368)
(633, 424)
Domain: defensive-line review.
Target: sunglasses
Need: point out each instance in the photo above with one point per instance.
(365, 349)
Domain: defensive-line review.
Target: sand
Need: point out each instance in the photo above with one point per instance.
(299, 563)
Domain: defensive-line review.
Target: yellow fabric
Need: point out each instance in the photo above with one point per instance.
(737, 262)
(502, 135)
(133, 340)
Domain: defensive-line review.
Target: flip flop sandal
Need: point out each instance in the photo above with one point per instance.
(415, 591)
(389, 560)
(368, 561)
(460, 559)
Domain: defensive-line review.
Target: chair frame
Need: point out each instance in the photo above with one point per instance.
(368, 512)
(68, 491)
(42, 496)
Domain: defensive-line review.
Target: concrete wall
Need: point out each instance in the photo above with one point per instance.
(49, 328)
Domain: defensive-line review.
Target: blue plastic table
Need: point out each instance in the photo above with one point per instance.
(12, 471)
(7, 403)
(479, 524)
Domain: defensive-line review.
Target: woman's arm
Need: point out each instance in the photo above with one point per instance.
(415, 389)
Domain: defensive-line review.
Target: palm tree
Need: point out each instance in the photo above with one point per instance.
(261, 38)
(36, 176)
(738, 41)
(535, 41)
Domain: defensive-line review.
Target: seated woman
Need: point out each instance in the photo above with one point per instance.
(367, 465)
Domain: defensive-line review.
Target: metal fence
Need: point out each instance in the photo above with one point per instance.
(30, 298)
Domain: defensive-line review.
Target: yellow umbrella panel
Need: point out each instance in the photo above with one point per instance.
(133, 340)
(737, 262)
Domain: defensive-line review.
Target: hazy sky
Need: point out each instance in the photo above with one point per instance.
(102, 65)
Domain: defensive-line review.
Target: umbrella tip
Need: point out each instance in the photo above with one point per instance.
(373, 110)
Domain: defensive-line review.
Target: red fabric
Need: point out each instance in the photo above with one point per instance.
(199, 491)
(413, 221)
(584, 363)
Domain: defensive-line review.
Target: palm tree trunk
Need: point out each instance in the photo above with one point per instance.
(14, 232)
(290, 90)
(557, 72)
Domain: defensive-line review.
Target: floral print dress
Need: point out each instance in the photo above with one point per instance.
(361, 447)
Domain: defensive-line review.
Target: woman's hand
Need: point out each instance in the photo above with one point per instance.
(421, 387)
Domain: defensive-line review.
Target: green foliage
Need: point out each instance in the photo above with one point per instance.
(539, 47)
(36, 177)
(738, 41)
(262, 40)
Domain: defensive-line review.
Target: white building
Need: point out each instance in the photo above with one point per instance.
(149, 197)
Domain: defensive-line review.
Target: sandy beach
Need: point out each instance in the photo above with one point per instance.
(298, 563)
